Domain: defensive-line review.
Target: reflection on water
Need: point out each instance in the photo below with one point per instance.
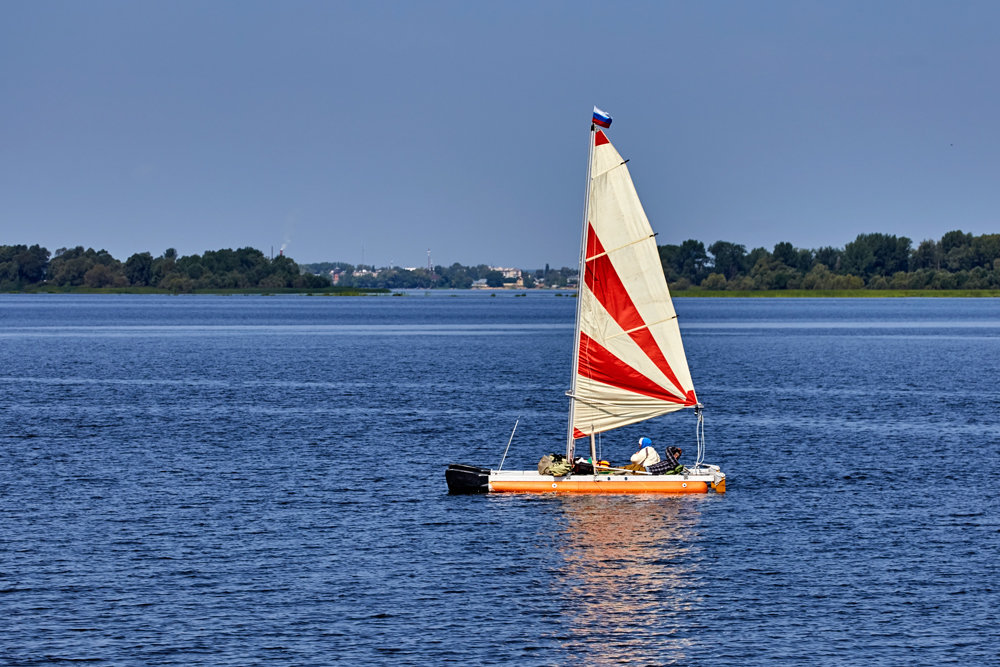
(631, 566)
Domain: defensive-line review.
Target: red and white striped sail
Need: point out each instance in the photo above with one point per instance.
(631, 364)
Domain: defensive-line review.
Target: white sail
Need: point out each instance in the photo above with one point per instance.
(630, 361)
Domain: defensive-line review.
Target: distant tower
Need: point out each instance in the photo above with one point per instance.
(429, 268)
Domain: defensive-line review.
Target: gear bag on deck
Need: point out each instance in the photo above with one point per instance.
(554, 464)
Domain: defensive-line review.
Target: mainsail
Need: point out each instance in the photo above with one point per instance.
(630, 364)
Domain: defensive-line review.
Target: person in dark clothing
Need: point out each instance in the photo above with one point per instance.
(672, 456)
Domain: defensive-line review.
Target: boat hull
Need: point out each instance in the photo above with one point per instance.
(465, 479)
(598, 485)
(528, 481)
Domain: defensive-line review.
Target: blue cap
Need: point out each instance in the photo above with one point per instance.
(645, 442)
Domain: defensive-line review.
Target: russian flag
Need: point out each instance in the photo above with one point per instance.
(601, 118)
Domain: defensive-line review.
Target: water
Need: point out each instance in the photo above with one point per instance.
(240, 480)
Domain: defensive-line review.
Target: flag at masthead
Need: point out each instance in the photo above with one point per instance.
(602, 118)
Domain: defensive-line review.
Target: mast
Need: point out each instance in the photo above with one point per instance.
(570, 440)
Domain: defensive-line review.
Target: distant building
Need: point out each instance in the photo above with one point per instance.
(508, 273)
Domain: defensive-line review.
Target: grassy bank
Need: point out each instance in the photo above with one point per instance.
(327, 291)
(845, 293)
(692, 292)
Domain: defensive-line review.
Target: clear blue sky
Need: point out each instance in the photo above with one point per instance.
(462, 126)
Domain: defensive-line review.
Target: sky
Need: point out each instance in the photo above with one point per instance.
(374, 131)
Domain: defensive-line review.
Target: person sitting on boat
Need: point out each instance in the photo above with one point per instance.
(670, 465)
(673, 455)
(645, 457)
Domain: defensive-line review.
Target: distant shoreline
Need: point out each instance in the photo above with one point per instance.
(684, 294)
(250, 291)
(840, 294)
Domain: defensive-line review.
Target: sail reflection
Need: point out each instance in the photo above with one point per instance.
(631, 567)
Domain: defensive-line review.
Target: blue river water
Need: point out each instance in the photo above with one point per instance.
(246, 480)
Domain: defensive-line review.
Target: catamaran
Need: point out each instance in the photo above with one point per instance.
(628, 362)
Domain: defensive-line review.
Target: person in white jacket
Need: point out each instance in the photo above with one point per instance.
(646, 456)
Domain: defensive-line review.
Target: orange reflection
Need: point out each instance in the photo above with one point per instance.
(631, 577)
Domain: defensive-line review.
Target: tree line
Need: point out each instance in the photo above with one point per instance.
(23, 267)
(874, 261)
(871, 261)
(958, 260)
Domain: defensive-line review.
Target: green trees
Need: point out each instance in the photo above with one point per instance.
(455, 276)
(77, 267)
(959, 260)
(139, 269)
(926, 256)
(785, 254)
(876, 261)
(23, 267)
(229, 269)
(103, 275)
(872, 255)
(730, 259)
(688, 261)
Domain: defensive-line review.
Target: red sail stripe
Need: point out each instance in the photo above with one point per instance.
(603, 280)
(600, 139)
(597, 363)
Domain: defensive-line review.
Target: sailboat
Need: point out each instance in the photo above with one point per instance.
(629, 364)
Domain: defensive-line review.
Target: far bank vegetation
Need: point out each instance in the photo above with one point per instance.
(958, 261)
(872, 261)
(25, 268)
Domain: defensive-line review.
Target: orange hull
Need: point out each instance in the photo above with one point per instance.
(472, 479)
(590, 485)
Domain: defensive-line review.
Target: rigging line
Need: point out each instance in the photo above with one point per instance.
(591, 402)
(594, 177)
(621, 247)
(508, 443)
(700, 435)
(595, 403)
(603, 407)
(639, 328)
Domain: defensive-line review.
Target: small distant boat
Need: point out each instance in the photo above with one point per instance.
(629, 363)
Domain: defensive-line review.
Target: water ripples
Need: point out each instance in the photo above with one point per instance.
(181, 485)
